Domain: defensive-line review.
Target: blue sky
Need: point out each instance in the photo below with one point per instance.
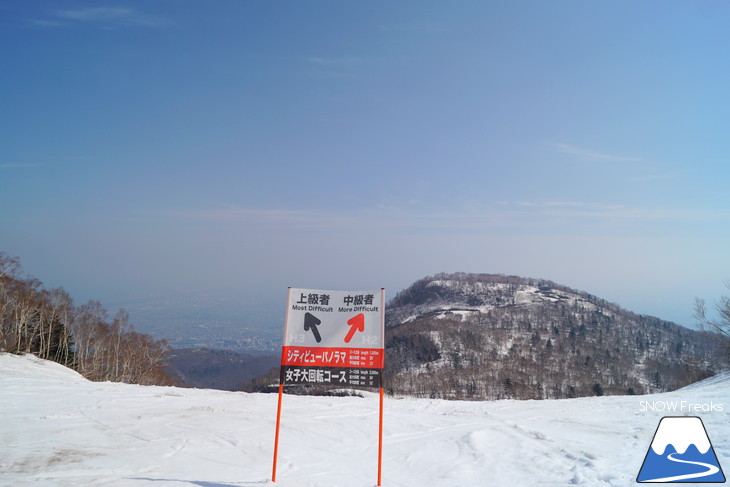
(239, 147)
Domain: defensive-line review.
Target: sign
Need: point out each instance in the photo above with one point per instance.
(681, 452)
(333, 338)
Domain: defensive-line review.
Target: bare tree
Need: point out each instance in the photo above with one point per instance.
(64, 313)
(89, 318)
(46, 323)
(718, 324)
(9, 270)
(9, 267)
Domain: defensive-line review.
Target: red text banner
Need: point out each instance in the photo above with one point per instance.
(367, 358)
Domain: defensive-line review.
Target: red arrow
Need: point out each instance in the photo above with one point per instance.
(357, 323)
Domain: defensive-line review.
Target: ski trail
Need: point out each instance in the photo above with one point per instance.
(712, 470)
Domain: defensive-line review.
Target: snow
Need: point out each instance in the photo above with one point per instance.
(57, 429)
(455, 304)
(689, 430)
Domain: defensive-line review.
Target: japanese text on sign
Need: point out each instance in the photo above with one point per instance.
(328, 330)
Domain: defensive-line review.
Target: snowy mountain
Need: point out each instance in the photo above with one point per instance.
(464, 294)
(486, 336)
(61, 430)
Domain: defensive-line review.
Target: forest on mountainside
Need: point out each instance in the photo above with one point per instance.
(47, 323)
(484, 336)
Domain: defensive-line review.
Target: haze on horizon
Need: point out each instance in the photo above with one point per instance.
(227, 148)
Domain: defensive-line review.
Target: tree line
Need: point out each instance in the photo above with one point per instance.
(46, 323)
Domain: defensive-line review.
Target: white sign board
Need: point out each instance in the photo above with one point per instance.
(334, 337)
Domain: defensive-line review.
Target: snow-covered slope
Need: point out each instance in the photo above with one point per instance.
(57, 429)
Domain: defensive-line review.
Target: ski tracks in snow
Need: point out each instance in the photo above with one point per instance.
(62, 431)
(471, 452)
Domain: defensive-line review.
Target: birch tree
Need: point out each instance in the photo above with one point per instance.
(717, 323)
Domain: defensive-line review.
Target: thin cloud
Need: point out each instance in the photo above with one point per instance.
(420, 26)
(273, 218)
(592, 156)
(46, 23)
(502, 215)
(20, 165)
(652, 177)
(605, 212)
(546, 204)
(377, 218)
(328, 68)
(106, 17)
(344, 61)
(321, 75)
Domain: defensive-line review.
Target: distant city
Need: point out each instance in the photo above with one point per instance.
(206, 321)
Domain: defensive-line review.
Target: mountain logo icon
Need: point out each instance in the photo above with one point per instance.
(681, 452)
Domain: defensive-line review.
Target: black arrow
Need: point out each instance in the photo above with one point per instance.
(310, 323)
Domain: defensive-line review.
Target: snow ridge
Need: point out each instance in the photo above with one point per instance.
(465, 294)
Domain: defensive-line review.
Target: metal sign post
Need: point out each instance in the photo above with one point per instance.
(333, 338)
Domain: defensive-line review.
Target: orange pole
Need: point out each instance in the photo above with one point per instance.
(276, 435)
(281, 385)
(380, 440)
(382, 385)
